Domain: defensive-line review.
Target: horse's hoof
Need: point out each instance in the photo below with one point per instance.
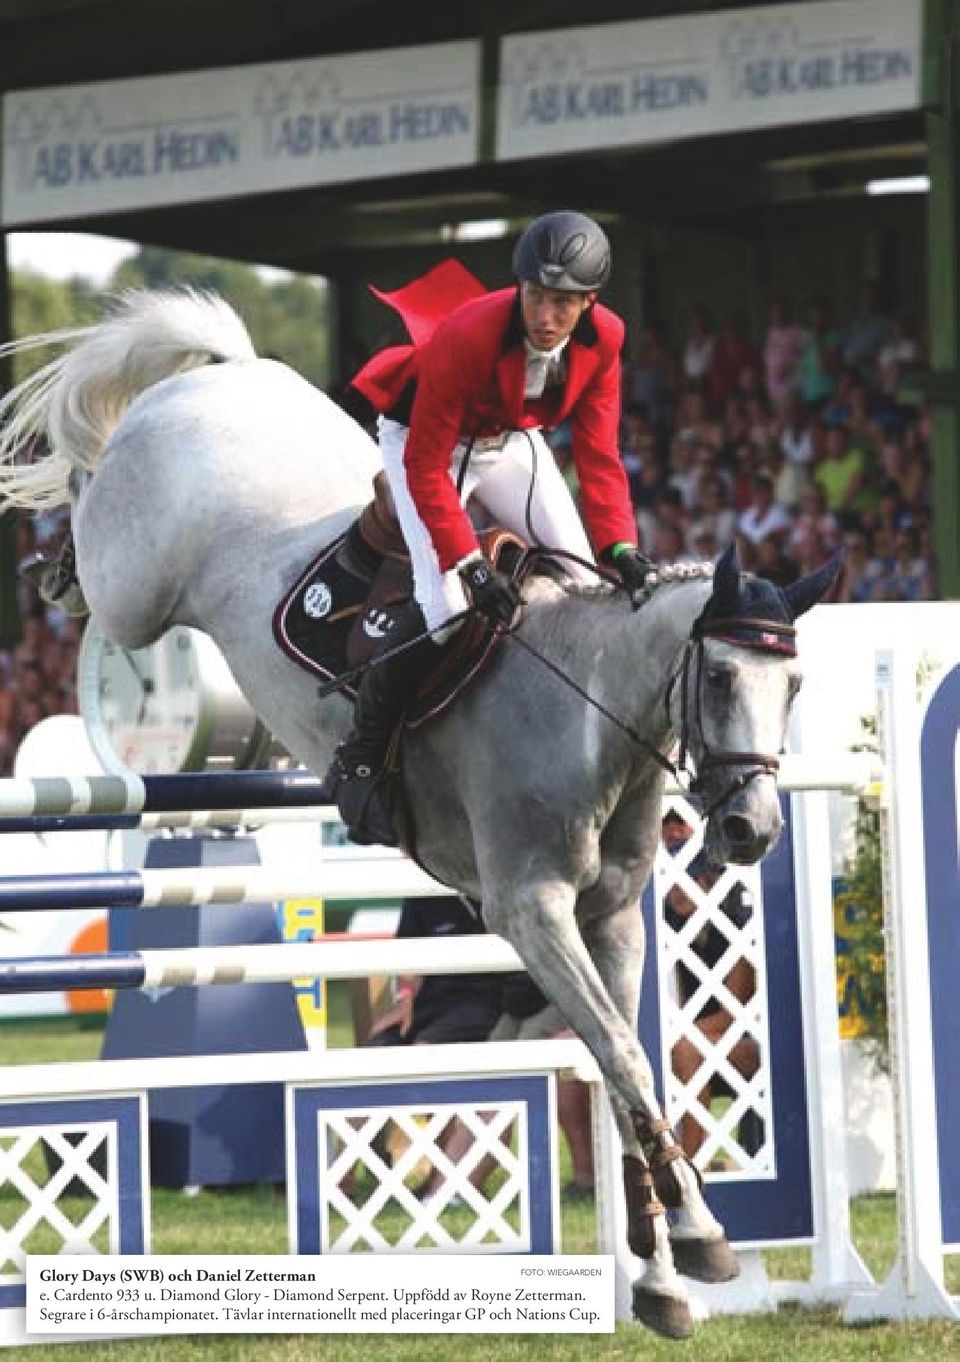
(705, 1260)
(666, 1315)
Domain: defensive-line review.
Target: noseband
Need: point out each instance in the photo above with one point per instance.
(769, 636)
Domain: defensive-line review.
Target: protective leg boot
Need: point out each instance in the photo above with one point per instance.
(380, 702)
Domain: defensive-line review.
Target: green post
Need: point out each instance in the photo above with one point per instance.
(941, 97)
(10, 625)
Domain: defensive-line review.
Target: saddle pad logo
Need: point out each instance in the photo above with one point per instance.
(317, 600)
(377, 623)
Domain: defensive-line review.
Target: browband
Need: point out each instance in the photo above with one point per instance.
(772, 636)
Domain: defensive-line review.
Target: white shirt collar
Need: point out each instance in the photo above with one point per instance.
(540, 365)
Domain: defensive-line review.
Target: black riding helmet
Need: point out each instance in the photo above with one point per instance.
(563, 250)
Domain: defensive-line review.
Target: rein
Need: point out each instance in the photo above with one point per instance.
(628, 729)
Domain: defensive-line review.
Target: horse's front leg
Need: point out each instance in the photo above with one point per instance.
(539, 921)
(615, 941)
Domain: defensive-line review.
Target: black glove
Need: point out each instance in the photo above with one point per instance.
(633, 568)
(491, 591)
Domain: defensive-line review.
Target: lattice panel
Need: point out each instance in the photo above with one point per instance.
(57, 1192)
(713, 991)
(379, 1163)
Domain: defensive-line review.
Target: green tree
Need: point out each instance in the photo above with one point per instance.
(39, 304)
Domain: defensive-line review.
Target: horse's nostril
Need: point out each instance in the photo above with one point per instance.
(737, 830)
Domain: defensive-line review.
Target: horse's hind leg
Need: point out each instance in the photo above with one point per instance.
(539, 922)
(127, 556)
(615, 941)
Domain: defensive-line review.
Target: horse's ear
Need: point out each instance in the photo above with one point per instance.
(809, 590)
(726, 582)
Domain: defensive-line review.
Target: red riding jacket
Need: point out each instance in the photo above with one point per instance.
(468, 371)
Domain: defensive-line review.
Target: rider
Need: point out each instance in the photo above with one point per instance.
(493, 372)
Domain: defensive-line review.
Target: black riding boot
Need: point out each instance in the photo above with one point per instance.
(383, 693)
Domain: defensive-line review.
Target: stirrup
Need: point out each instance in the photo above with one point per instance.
(360, 793)
(356, 764)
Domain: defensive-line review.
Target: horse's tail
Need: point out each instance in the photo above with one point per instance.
(60, 418)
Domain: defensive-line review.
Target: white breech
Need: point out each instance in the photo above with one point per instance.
(498, 478)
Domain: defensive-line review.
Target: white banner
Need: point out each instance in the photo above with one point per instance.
(78, 150)
(663, 79)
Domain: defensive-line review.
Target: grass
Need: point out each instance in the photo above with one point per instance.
(245, 1220)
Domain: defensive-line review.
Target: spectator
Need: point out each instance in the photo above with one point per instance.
(651, 380)
(667, 509)
(682, 472)
(859, 572)
(763, 426)
(764, 518)
(707, 466)
(789, 479)
(861, 420)
(837, 410)
(890, 514)
(734, 365)
(647, 489)
(704, 543)
(796, 433)
(637, 442)
(808, 550)
(842, 475)
(782, 350)
(745, 462)
(735, 428)
(904, 463)
(909, 577)
(698, 351)
(819, 357)
(813, 511)
(695, 423)
(439, 1007)
(717, 517)
(867, 334)
(771, 562)
(670, 543)
(900, 351)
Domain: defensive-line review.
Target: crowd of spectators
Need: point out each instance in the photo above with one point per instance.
(791, 442)
(38, 677)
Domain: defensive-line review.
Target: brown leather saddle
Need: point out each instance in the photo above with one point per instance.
(341, 608)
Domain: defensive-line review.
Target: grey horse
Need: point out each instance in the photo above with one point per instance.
(201, 481)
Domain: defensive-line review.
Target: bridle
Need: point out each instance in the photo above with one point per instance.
(770, 636)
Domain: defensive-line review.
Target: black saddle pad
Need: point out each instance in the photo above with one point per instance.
(314, 619)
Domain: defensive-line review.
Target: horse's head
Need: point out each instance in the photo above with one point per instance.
(730, 700)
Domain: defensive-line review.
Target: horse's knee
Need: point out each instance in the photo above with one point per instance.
(536, 912)
(496, 918)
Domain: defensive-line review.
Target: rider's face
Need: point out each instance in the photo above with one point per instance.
(550, 314)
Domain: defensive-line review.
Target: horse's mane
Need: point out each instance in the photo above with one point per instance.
(554, 605)
(658, 578)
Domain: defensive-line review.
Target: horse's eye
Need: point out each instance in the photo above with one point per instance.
(718, 679)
